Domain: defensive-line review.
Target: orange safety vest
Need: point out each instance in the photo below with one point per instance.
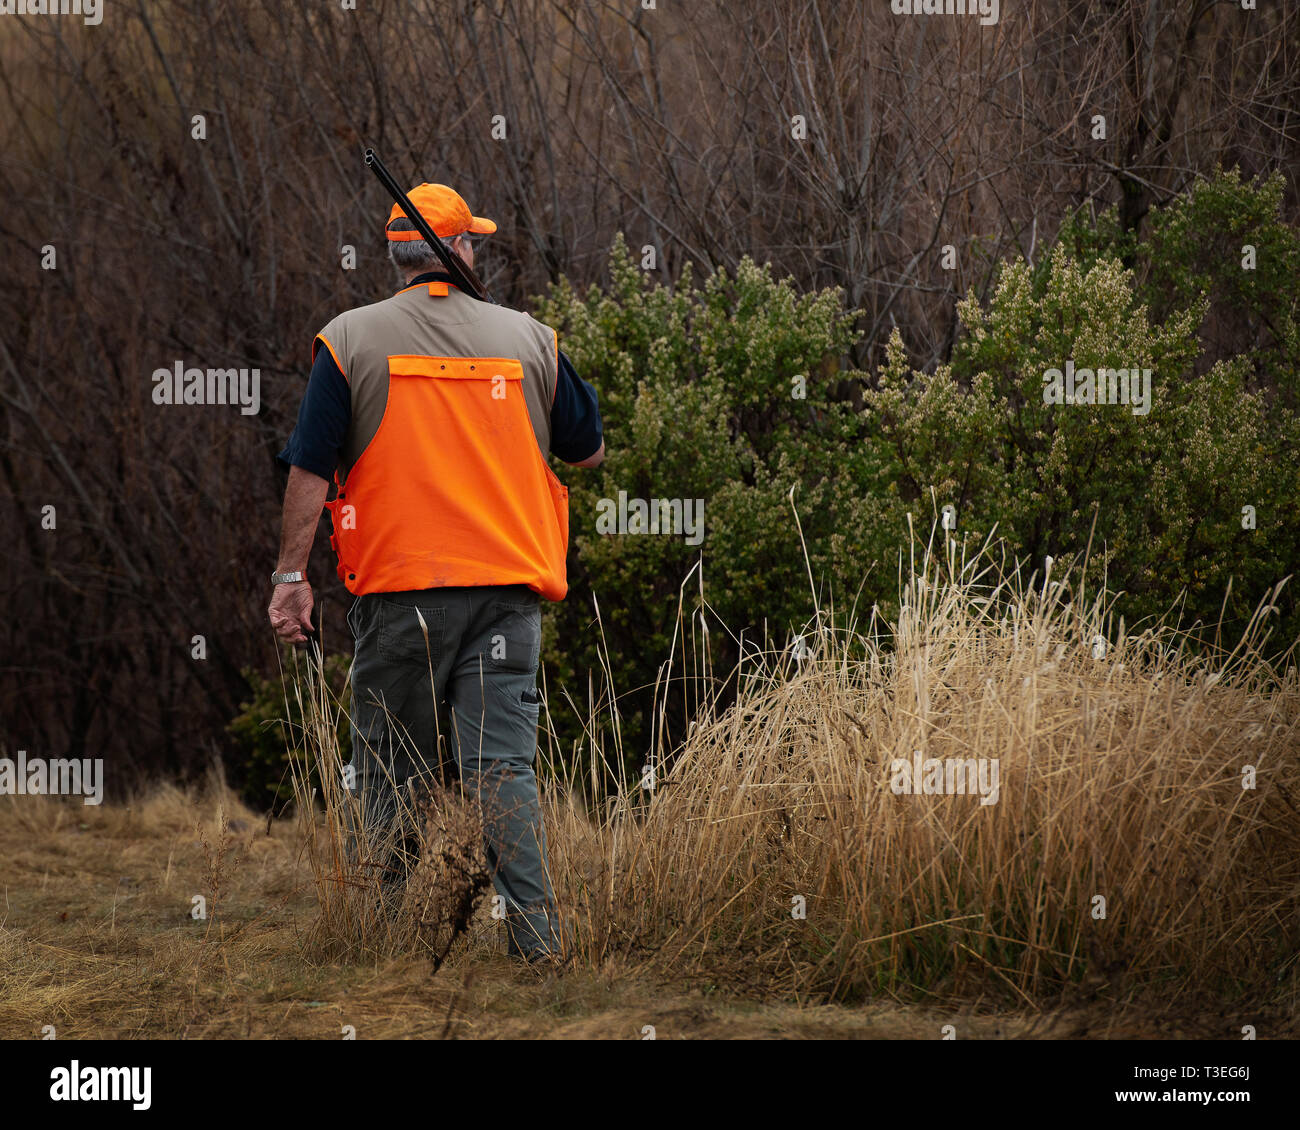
(452, 489)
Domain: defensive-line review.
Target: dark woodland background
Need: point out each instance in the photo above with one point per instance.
(672, 126)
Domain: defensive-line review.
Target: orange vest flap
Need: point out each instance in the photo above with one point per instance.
(456, 368)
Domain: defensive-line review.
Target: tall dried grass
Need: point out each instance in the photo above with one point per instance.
(1121, 776)
(770, 851)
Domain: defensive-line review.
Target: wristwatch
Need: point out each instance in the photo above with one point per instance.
(287, 578)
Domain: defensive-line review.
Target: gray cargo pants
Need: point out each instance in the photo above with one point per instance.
(482, 645)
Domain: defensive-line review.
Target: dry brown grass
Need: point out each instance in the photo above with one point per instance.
(96, 940)
(1120, 777)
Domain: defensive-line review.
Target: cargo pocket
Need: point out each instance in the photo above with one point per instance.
(519, 713)
(515, 639)
(401, 636)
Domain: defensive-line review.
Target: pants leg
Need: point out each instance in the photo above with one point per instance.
(492, 691)
(394, 713)
(482, 647)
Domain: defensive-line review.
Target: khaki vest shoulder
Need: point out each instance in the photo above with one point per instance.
(343, 331)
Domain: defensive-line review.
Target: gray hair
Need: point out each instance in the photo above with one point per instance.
(415, 254)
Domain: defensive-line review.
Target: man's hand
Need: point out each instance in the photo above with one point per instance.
(290, 611)
(291, 603)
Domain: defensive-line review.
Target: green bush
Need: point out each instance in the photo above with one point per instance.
(1166, 489)
(724, 392)
(699, 391)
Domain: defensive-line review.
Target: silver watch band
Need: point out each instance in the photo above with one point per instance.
(287, 578)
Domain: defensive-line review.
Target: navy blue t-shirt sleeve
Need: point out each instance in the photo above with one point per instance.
(576, 429)
(323, 420)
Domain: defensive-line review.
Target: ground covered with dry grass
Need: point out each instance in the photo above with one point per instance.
(1135, 873)
(98, 941)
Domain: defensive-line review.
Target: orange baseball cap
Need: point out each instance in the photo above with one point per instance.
(443, 209)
